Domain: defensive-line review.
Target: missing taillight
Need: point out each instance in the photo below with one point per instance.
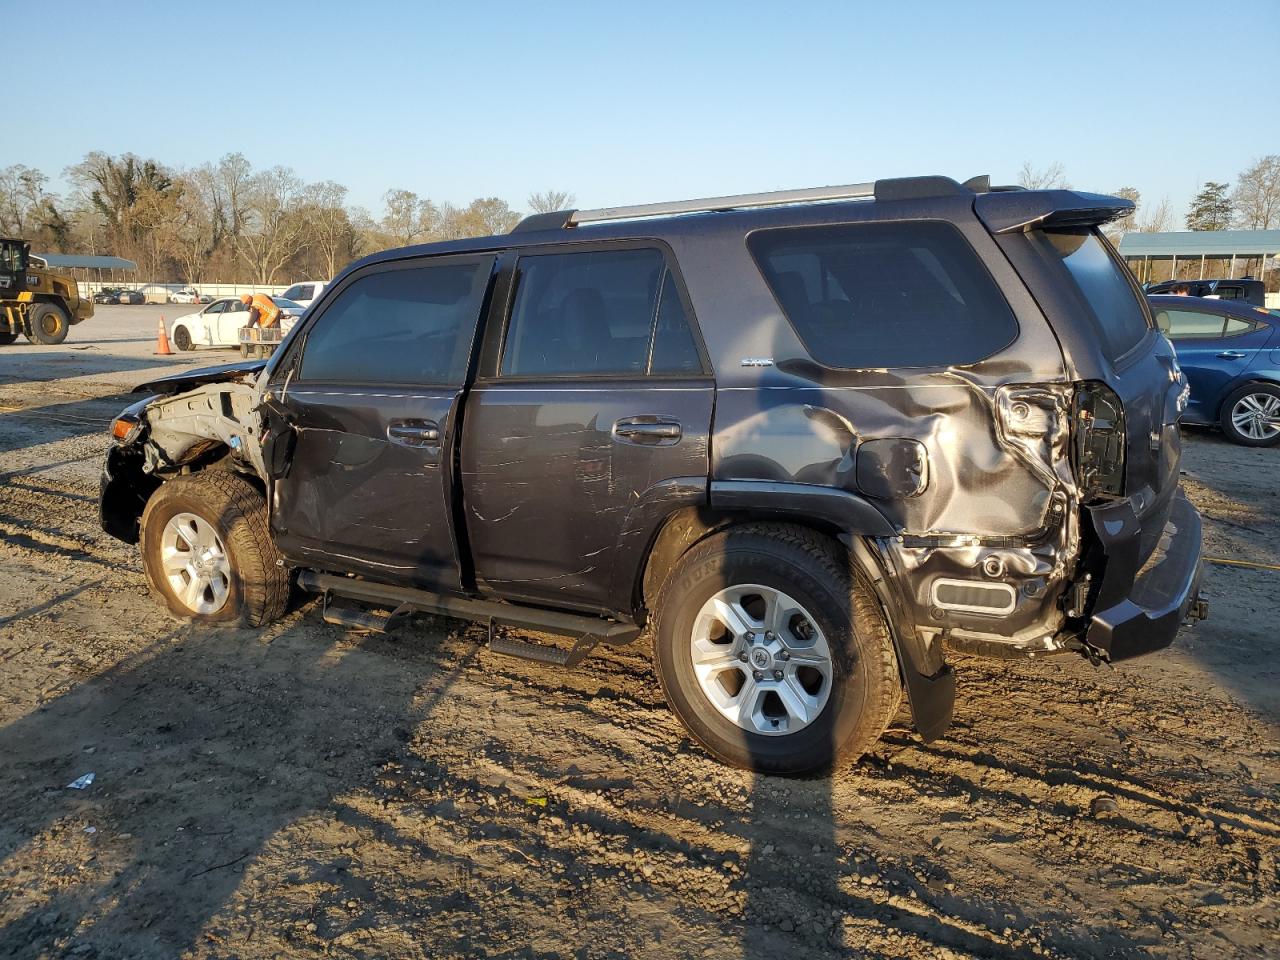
(1098, 422)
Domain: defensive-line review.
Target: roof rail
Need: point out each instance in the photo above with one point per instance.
(896, 189)
(853, 191)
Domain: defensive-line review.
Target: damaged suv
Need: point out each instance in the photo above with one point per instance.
(808, 441)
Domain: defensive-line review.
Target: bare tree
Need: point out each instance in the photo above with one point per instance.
(1256, 198)
(1052, 177)
(408, 218)
(1157, 219)
(329, 230)
(274, 228)
(483, 217)
(549, 201)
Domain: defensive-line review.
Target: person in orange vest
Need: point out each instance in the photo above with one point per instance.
(263, 311)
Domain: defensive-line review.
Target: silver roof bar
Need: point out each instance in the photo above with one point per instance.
(852, 191)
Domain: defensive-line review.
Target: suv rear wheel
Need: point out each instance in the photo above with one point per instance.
(208, 553)
(1251, 415)
(773, 653)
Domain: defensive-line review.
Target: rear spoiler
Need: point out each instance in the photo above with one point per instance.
(1019, 210)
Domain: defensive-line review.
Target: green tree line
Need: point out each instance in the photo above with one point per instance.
(227, 222)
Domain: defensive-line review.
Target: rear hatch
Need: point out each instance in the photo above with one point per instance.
(1130, 392)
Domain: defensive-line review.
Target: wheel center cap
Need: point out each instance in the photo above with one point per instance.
(761, 658)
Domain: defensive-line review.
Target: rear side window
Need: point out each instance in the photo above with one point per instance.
(410, 326)
(1121, 322)
(1198, 325)
(596, 313)
(910, 294)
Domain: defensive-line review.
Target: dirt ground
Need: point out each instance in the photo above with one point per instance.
(305, 791)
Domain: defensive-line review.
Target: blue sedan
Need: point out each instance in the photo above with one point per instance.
(1230, 353)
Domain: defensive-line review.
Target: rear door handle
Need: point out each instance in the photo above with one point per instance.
(652, 431)
(1232, 355)
(414, 433)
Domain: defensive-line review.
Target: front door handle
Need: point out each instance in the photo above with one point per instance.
(1231, 355)
(414, 433)
(652, 431)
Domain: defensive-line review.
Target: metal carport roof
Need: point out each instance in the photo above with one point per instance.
(76, 261)
(1196, 243)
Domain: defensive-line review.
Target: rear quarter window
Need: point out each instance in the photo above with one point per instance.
(1104, 282)
(909, 294)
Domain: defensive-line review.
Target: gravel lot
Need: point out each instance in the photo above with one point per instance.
(307, 791)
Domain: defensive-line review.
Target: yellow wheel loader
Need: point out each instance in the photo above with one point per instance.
(35, 300)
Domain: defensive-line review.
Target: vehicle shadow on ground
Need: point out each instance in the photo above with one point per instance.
(124, 901)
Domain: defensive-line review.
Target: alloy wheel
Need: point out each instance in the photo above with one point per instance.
(761, 659)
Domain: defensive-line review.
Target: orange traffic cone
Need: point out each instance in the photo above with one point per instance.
(162, 341)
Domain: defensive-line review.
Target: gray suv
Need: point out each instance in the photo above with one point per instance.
(809, 442)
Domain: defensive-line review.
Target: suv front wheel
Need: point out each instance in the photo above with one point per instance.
(208, 553)
(773, 652)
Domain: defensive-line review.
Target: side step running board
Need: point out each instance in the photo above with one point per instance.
(587, 630)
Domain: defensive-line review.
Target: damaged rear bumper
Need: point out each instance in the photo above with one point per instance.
(1140, 607)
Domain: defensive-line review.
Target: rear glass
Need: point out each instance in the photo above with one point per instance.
(910, 294)
(1121, 322)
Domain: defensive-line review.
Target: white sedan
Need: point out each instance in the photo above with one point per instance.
(218, 324)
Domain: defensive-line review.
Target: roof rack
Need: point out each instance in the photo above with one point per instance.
(852, 191)
(895, 189)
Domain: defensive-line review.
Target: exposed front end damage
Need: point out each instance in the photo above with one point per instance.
(166, 435)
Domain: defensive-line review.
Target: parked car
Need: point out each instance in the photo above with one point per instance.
(107, 295)
(1230, 353)
(305, 293)
(218, 324)
(185, 295)
(1245, 291)
(132, 297)
(809, 448)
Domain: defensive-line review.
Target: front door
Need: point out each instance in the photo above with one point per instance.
(371, 390)
(599, 396)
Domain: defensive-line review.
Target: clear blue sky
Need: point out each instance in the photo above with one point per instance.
(623, 103)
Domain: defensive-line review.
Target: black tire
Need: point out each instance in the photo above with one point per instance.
(258, 590)
(7, 337)
(1266, 398)
(815, 571)
(182, 338)
(49, 324)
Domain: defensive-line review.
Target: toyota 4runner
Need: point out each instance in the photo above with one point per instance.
(809, 441)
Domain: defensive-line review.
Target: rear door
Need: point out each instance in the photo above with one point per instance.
(1214, 350)
(599, 402)
(372, 389)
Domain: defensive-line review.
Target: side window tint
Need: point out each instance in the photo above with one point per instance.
(673, 348)
(217, 307)
(1236, 326)
(305, 292)
(412, 326)
(1162, 321)
(885, 294)
(1194, 325)
(293, 293)
(583, 313)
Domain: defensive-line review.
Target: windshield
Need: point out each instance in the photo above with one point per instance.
(13, 256)
(1105, 283)
(287, 304)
